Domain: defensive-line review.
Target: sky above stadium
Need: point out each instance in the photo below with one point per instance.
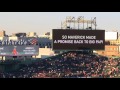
(42, 22)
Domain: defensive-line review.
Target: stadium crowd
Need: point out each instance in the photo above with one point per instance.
(69, 65)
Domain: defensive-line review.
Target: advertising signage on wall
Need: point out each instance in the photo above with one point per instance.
(19, 50)
(19, 41)
(78, 39)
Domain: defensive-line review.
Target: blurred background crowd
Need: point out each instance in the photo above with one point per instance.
(68, 65)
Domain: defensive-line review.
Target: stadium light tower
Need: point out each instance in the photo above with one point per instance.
(80, 20)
